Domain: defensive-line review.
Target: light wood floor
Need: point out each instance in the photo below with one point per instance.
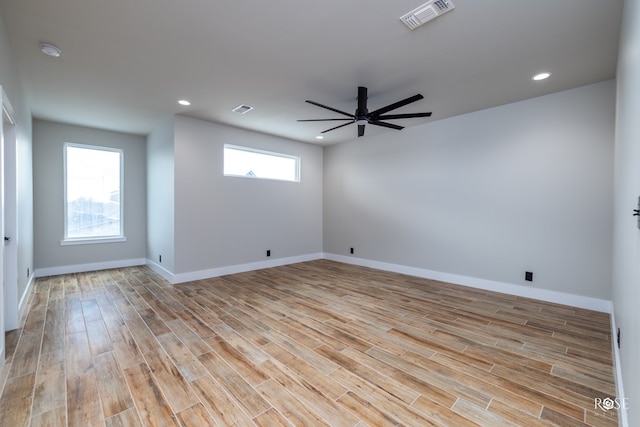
(311, 344)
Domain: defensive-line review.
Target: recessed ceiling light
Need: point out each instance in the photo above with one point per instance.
(184, 102)
(49, 49)
(541, 76)
(319, 137)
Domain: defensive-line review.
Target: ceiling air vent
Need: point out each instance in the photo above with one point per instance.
(242, 108)
(425, 13)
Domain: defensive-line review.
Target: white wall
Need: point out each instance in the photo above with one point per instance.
(160, 197)
(626, 274)
(488, 195)
(50, 256)
(12, 86)
(223, 221)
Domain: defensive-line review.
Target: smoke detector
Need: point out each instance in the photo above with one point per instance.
(51, 50)
(425, 13)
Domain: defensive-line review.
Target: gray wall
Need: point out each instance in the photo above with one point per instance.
(488, 195)
(626, 275)
(48, 143)
(224, 221)
(160, 195)
(12, 86)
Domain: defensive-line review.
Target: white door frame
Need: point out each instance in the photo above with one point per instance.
(4, 300)
(10, 226)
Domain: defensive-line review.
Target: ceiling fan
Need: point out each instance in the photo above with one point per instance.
(363, 117)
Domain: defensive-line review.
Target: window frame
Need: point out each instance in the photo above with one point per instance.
(92, 239)
(297, 160)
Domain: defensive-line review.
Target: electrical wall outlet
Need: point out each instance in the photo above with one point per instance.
(528, 276)
(351, 251)
(160, 258)
(268, 252)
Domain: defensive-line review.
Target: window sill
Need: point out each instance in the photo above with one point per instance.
(92, 240)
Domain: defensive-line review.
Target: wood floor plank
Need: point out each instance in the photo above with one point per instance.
(240, 343)
(299, 368)
(74, 320)
(395, 382)
(128, 418)
(271, 418)
(313, 398)
(175, 388)
(25, 358)
(142, 335)
(53, 418)
(434, 374)
(249, 371)
(234, 384)
(112, 387)
(78, 359)
(99, 340)
(223, 409)
(152, 406)
(50, 380)
(54, 327)
(479, 415)
(83, 402)
(186, 362)
(195, 415)
(196, 344)
(292, 409)
(15, 403)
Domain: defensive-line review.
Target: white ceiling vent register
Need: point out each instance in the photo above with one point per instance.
(242, 108)
(425, 13)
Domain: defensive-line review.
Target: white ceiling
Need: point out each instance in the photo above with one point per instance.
(125, 63)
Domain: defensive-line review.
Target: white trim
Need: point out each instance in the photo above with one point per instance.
(579, 301)
(161, 271)
(623, 420)
(94, 240)
(231, 269)
(120, 152)
(22, 306)
(81, 268)
(243, 149)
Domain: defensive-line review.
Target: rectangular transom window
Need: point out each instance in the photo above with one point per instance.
(93, 194)
(252, 163)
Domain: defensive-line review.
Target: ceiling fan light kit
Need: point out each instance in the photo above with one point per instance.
(362, 116)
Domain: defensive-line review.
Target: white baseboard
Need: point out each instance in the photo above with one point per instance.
(623, 420)
(161, 271)
(22, 304)
(489, 285)
(231, 269)
(81, 268)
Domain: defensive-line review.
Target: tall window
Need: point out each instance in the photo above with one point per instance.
(93, 191)
(252, 163)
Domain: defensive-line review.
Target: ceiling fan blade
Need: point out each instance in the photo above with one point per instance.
(360, 130)
(320, 120)
(375, 114)
(402, 116)
(330, 108)
(337, 127)
(362, 101)
(386, 125)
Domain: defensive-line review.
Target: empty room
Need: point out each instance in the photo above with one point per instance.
(329, 214)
